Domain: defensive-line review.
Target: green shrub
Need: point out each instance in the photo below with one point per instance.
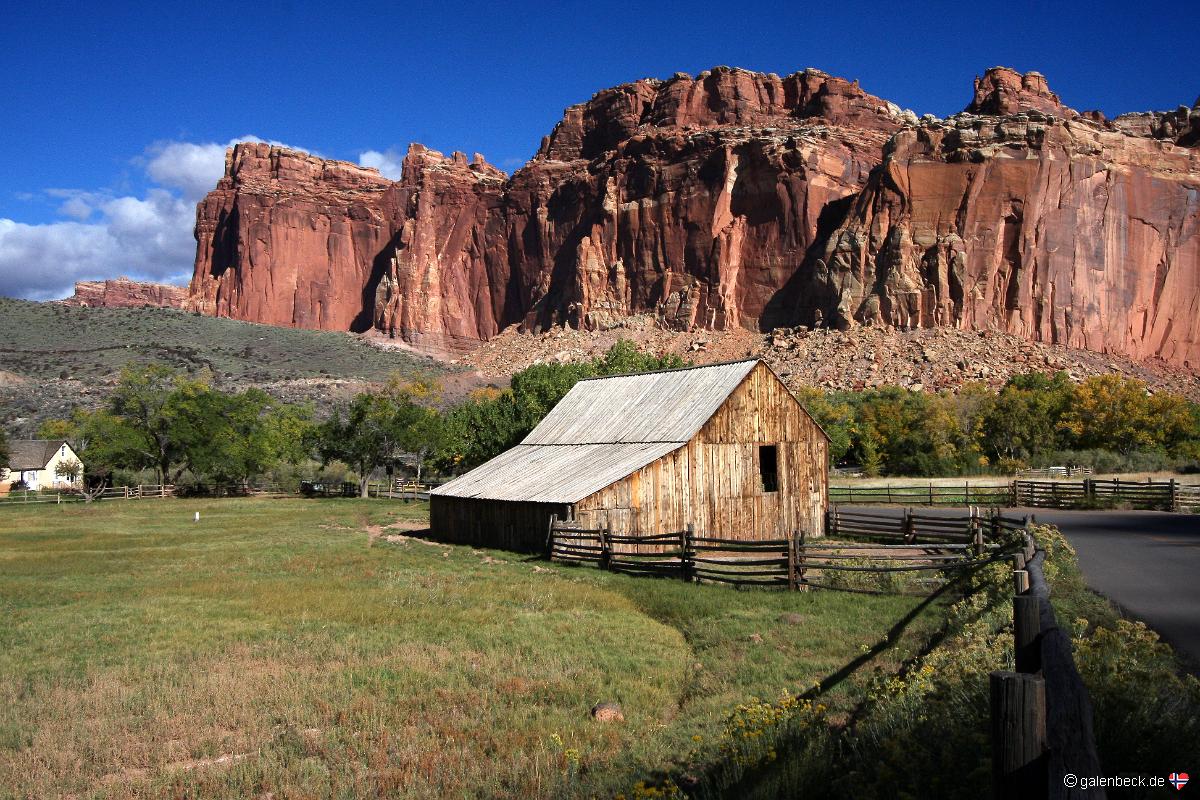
(1147, 714)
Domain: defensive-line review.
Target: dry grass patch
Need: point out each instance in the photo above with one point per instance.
(283, 648)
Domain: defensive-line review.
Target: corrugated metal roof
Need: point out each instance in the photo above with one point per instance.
(604, 429)
(553, 473)
(29, 454)
(668, 406)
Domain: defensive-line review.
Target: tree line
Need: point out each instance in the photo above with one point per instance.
(182, 427)
(1108, 422)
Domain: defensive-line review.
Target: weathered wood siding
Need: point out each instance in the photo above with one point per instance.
(502, 524)
(713, 481)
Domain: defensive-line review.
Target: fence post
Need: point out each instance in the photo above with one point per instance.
(967, 486)
(1174, 496)
(1089, 490)
(791, 562)
(1019, 764)
(606, 545)
(931, 494)
(1027, 628)
(800, 584)
(977, 535)
(685, 553)
(910, 527)
(550, 537)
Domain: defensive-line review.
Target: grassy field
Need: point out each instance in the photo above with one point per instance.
(290, 649)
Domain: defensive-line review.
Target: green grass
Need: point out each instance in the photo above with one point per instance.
(278, 649)
(43, 340)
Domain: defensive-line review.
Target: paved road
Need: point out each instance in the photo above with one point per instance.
(1147, 562)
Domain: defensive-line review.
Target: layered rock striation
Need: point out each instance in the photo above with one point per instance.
(125, 293)
(738, 199)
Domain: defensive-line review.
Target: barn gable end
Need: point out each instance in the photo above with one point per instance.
(714, 482)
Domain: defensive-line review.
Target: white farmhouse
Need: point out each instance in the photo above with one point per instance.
(34, 461)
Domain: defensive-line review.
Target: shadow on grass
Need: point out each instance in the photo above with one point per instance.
(888, 640)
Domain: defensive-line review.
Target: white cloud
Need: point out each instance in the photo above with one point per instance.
(389, 163)
(147, 238)
(192, 168)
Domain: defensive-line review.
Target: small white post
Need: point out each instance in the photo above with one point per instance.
(197, 516)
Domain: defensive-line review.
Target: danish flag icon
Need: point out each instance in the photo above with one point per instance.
(1178, 780)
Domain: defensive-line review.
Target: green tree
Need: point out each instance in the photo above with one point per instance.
(1026, 418)
(369, 437)
(907, 433)
(168, 412)
(225, 437)
(835, 416)
(1111, 412)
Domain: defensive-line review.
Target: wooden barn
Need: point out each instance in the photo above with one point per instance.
(724, 447)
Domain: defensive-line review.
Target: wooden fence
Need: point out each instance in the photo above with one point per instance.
(964, 494)
(1170, 495)
(930, 544)
(1054, 472)
(58, 496)
(1041, 715)
(1090, 493)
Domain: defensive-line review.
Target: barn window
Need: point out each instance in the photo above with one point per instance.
(768, 467)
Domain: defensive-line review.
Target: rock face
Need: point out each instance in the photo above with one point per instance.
(1055, 230)
(738, 199)
(125, 293)
(291, 239)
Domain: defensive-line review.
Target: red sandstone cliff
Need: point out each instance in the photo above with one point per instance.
(1041, 223)
(291, 239)
(737, 199)
(125, 293)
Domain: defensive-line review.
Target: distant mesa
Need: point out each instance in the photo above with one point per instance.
(125, 293)
(737, 199)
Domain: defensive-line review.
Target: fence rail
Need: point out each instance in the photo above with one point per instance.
(1168, 495)
(965, 494)
(864, 543)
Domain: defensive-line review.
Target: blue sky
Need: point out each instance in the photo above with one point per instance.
(116, 115)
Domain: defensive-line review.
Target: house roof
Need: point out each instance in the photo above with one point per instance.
(28, 454)
(601, 431)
